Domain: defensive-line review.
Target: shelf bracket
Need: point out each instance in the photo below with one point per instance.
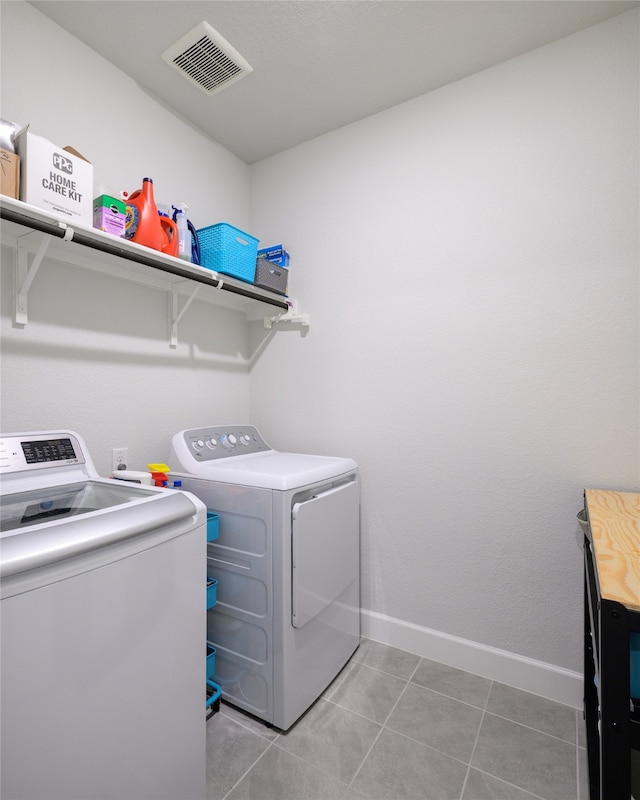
(25, 273)
(175, 316)
(24, 276)
(291, 315)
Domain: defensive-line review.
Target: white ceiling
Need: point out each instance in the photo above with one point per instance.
(317, 64)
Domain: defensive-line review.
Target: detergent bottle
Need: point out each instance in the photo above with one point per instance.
(169, 231)
(170, 242)
(142, 222)
(144, 225)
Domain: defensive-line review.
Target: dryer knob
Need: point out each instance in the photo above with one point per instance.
(245, 439)
(228, 441)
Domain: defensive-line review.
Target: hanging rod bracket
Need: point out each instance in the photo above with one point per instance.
(291, 315)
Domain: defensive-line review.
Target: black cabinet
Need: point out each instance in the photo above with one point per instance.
(612, 718)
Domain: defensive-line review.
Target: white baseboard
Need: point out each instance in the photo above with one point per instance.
(537, 677)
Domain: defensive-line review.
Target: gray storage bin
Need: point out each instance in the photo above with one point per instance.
(271, 276)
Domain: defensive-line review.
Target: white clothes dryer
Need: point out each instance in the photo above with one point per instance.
(287, 562)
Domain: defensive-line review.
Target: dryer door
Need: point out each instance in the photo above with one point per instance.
(325, 550)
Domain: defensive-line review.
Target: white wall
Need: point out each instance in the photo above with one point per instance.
(470, 263)
(95, 354)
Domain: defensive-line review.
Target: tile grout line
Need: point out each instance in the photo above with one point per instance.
(513, 785)
(385, 672)
(393, 730)
(382, 727)
(530, 728)
(473, 749)
(452, 697)
(247, 771)
(429, 747)
(494, 714)
(307, 763)
(422, 686)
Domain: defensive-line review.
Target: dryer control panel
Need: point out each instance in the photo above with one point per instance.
(218, 441)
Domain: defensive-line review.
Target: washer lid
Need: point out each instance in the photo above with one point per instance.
(24, 510)
(275, 470)
(42, 527)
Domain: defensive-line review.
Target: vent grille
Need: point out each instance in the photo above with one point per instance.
(206, 64)
(206, 59)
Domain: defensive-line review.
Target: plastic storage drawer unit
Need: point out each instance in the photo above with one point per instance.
(213, 523)
(212, 592)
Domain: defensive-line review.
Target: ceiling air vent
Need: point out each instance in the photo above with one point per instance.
(206, 59)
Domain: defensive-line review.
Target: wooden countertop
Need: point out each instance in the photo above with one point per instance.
(614, 519)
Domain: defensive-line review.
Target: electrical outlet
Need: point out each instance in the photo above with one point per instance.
(119, 458)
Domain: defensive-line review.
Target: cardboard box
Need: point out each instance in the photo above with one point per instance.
(9, 173)
(57, 179)
(277, 254)
(109, 214)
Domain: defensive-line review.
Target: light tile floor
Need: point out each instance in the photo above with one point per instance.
(393, 726)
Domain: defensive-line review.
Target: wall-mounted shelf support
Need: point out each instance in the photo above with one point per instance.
(175, 316)
(291, 315)
(25, 275)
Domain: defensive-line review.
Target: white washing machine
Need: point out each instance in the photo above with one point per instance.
(287, 562)
(102, 602)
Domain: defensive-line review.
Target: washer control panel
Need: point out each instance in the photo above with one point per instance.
(27, 452)
(223, 441)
